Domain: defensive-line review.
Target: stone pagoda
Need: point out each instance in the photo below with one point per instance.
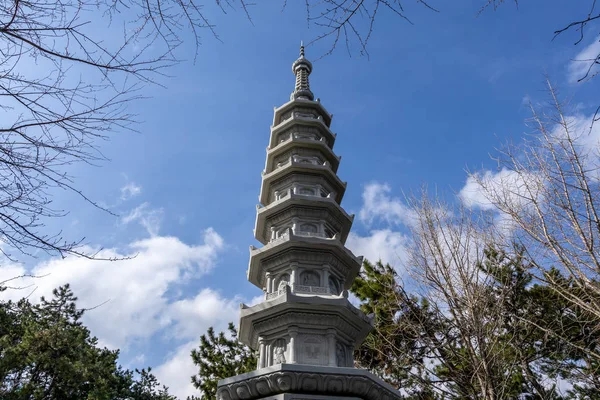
(305, 329)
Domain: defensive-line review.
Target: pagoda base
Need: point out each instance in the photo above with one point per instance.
(288, 396)
(305, 382)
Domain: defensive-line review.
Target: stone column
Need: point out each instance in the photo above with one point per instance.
(269, 286)
(293, 333)
(294, 275)
(294, 225)
(331, 345)
(273, 233)
(325, 276)
(261, 352)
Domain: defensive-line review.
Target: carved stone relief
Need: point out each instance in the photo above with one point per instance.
(309, 258)
(306, 136)
(313, 160)
(281, 231)
(300, 113)
(309, 228)
(334, 286)
(299, 155)
(300, 132)
(283, 185)
(364, 386)
(340, 355)
(279, 351)
(310, 278)
(311, 350)
(282, 281)
(306, 190)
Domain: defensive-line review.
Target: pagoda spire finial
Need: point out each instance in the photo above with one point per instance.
(302, 69)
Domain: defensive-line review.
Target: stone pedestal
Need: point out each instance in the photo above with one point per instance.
(305, 382)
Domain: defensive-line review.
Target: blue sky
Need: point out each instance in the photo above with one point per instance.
(431, 100)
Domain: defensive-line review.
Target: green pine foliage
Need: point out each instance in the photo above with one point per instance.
(542, 337)
(47, 353)
(220, 356)
(552, 336)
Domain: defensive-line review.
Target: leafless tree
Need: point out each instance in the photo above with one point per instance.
(444, 325)
(580, 27)
(351, 21)
(67, 71)
(548, 195)
(464, 319)
(445, 257)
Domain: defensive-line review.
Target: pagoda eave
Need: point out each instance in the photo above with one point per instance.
(347, 263)
(281, 110)
(295, 205)
(301, 122)
(293, 142)
(307, 170)
(309, 312)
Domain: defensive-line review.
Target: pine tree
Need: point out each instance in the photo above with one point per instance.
(542, 337)
(47, 353)
(220, 356)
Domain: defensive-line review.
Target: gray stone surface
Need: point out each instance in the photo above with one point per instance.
(288, 396)
(307, 382)
(305, 329)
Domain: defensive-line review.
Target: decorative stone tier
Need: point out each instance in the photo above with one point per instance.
(302, 382)
(310, 330)
(308, 177)
(301, 108)
(301, 126)
(305, 184)
(301, 149)
(304, 260)
(305, 214)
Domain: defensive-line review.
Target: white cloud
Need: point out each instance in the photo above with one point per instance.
(130, 190)
(149, 218)
(177, 371)
(506, 185)
(255, 300)
(473, 195)
(136, 296)
(10, 273)
(385, 245)
(134, 291)
(580, 65)
(377, 204)
(519, 188)
(192, 318)
(579, 131)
